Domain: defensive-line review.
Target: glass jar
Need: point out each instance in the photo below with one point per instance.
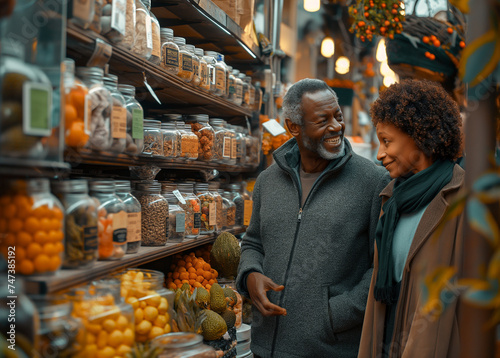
(222, 142)
(245, 90)
(183, 344)
(192, 209)
(133, 209)
(118, 115)
(58, 330)
(238, 200)
(220, 73)
(113, 19)
(205, 133)
(32, 220)
(112, 220)
(204, 75)
(208, 208)
(192, 139)
(155, 35)
(196, 66)
(231, 89)
(185, 60)
(135, 120)
(24, 131)
(238, 88)
(210, 58)
(171, 138)
(213, 188)
(101, 105)
(128, 41)
(76, 134)
(241, 149)
(95, 24)
(153, 138)
(152, 303)
(143, 45)
(176, 219)
(169, 51)
(81, 12)
(80, 224)
(251, 92)
(230, 209)
(258, 97)
(154, 213)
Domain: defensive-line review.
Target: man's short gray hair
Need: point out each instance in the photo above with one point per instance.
(292, 102)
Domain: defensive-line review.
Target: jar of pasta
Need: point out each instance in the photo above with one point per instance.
(135, 120)
(133, 209)
(169, 51)
(185, 60)
(205, 133)
(208, 208)
(192, 209)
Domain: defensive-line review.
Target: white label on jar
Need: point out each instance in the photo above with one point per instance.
(149, 33)
(212, 214)
(119, 122)
(226, 147)
(37, 109)
(87, 114)
(247, 212)
(204, 74)
(179, 196)
(180, 222)
(234, 145)
(186, 62)
(220, 79)
(81, 10)
(137, 123)
(118, 14)
(134, 227)
(120, 227)
(171, 56)
(211, 75)
(155, 31)
(239, 91)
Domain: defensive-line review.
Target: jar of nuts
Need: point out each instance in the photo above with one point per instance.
(229, 209)
(192, 208)
(208, 208)
(205, 133)
(153, 139)
(154, 213)
(222, 142)
(171, 139)
(213, 188)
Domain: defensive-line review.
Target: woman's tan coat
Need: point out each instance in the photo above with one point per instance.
(416, 335)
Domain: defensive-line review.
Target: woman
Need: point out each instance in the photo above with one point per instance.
(418, 126)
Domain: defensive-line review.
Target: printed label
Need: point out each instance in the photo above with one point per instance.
(197, 220)
(180, 222)
(211, 74)
(149, 34)
(212, 214)
(120, 227)
(134, 227)
(118, 14)
(204, 74)
(196, 67)
(233, 148)
(90, 241)
(119, 122)
(247, 212)
(239, 91)
(179, 196)
(226, 147)
(187, 62)
(37, 109)
(101, 55)
(155, 30)
(231, 88)
(137, 123)
(171, 56)
(220, 79)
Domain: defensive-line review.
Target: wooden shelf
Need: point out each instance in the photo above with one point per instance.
(65, 279)
(32, 167)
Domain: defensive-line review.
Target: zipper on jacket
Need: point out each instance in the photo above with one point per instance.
(282, 293)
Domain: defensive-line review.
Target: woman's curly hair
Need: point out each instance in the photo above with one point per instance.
(423, 110)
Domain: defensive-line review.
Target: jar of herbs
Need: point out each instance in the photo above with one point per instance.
(133, 209)
(208, 208)
(135, 121)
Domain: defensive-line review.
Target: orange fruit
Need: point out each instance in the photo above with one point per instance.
(59, 247)
(45, 224)
(15, 225)
(57, 214)
(9, 240)
(70, 115)
(23, 211)
(33, 250)
(49, 249)
(32, 224)
(55, 236)
(26, 267)
(24, 239)
(42, 263)
(3, 225)
(5, 200)
(41, 237)
(10, 211)
(55, 263)
(20, 254)
(55, 224)
(42, 211)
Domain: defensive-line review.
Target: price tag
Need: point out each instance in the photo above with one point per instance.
(179, 196)
(226, 147)
(119, 122)
(137, 123)
(150, 89)
(120, 227)
(212, 214)
(180, 220)
(134, 227)
(247, 212)
(101, 55)
(37, 109)
(273, 127)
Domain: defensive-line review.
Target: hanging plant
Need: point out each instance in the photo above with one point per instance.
(377, 17)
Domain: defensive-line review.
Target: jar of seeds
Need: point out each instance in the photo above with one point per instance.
(171, 138)
(192, 208)
(208, 208)
(133, 209)
(154, 213)
(153, 138)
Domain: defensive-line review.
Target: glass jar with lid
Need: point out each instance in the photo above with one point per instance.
(219, 73)
(211, 59)
(238, 88)
(76, 135)
(133, 209)
(129, 35)
(33, 222)
(171, 138)
(143, 45)
(81, 13)
(101, 105)
(229, 208)
(118, 115)
(183, 344)
(193, 147)
(176, 219)
(231, 89)
(258, 97)
(213, 188)
(81, 246)
(112, 220)
(196, 80)
(246, 91)
(238, 200)
(205, 133)
(24, 132)
(135, 120)
(208, 208)
(154, 213)
(192, 209)
(222, 142)
(153, 138)
(113, 21)
(185, 60)
(169, 51)
(251, 92)
(204, 75)
(241, 149)
(155, 35)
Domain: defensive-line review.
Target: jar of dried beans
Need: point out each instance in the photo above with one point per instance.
(154, 213)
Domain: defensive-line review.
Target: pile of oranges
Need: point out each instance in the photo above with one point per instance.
(74, 117)
(35, 230)
(192, 270)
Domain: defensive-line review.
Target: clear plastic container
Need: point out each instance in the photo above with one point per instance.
(151, 302)
(133, 209)
(196, 80)
(205, 133)
(222, 142)
(154, 213)
(118, 115)
(213, 188)
(169, 51)
(230, 89)
(153, 138)
(135, 121)
(239, 201)
(101, 105)
(23, 133)
(192, 208)
(238, 88)
(229, 208)
(208, 208)
(176, 219)
(211, 59)
(183, 344)
(32, 220)
(204, 75)
(81, 245)
(81, 12)
(155, 35)
(112, 220)
(185, 60)
(171, 139)
(143, 45)
(75, 109)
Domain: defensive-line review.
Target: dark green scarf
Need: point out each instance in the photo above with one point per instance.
(408, 196)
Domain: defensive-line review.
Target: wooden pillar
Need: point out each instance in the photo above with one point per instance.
(476, 340)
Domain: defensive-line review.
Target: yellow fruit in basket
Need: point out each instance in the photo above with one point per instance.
(160, 321)
(143, 328)
(90, 338)
(90, 350)
(107, 352)
(163, 306)
(143, 304)
(114, 313)
(133, 302)
(123, 350)
(167, 328)
(93, 328)
(139, 315)
(154, 299)
(122, 323)
(115, 339)
(155, 332)
(128, 337)
(102, 339)
(150, 313)
(109, 325)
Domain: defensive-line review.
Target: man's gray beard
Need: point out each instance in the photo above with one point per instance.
(321, 150)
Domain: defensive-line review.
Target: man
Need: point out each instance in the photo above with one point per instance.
(307, 254)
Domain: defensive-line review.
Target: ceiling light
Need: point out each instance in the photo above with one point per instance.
(342, 65)
(312, 5)
(327, 47)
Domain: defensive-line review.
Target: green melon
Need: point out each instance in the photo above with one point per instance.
(225, 255)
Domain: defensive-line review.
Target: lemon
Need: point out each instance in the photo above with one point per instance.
(115, 338)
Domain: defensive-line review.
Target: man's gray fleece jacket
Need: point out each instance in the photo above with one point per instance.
(322, 253)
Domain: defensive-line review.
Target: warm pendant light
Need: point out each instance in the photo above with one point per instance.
(342, 65)
(327, 47)
(312, 5)
(381, 54)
